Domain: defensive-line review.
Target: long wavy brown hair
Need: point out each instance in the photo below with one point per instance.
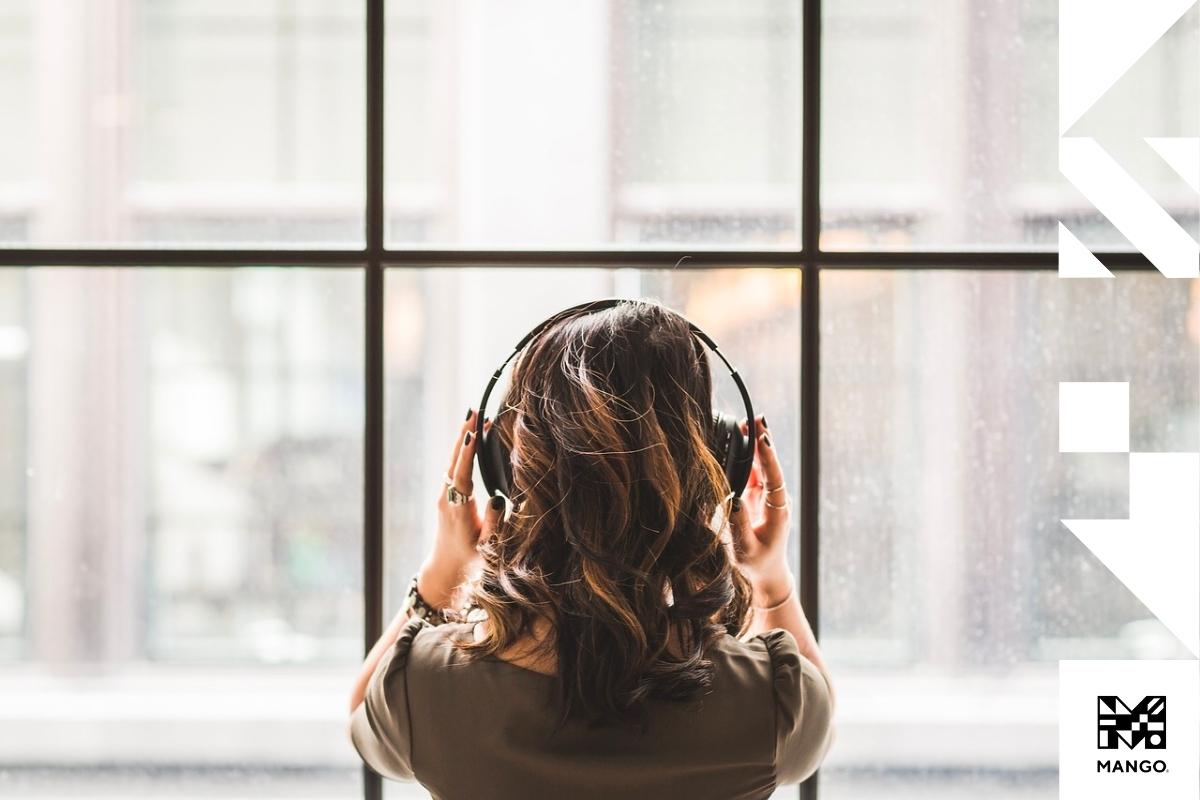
(614, 539)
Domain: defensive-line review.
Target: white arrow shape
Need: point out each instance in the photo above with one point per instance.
(1099, 40)
(1156, 552)
(1182, 153)
(1075, 260)
(1130, 208)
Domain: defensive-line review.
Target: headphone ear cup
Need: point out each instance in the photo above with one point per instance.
(495, 464)
(733, 449)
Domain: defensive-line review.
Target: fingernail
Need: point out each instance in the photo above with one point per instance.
(764, 421)
(470, 411)
(467, 438)
(497, 503)
(766, 440)
(736, 504)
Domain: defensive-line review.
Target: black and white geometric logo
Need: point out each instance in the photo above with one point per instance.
(1144, 725)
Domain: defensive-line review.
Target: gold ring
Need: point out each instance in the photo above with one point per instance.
(778, 488)
(772, 505)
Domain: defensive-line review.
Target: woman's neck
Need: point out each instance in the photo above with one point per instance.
(532, 651)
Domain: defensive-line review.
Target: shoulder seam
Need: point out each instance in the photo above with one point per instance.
(770, 641)
(416, 623)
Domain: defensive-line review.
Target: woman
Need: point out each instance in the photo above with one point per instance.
(634, 630)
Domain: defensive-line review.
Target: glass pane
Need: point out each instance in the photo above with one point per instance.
(626, 122)
(448, 330)
(180, 531)
(14, 347)
(949, 588)
(941, 119)
(185, 122)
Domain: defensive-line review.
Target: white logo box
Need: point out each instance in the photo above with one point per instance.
(1086, 772)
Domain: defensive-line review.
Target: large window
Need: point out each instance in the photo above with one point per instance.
(257, 258)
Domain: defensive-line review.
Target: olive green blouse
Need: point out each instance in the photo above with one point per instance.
(469, 729)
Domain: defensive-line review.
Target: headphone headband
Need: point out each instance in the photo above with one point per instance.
(739, 469)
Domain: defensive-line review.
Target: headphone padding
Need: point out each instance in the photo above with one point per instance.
(495, 465)
(733, 450)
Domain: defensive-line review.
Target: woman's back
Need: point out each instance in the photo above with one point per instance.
(489, 728)
(635, 545)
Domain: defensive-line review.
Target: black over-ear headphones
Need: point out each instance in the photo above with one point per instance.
(733, 449)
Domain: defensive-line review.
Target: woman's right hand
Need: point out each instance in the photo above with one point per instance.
(761, 522)
(759, 536)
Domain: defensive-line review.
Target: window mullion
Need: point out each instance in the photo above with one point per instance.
(374, 391)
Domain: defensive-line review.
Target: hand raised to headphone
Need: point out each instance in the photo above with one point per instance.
(455, 556)
(761, 523)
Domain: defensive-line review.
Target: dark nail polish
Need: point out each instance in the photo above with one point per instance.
(470, 411)
(497, 503)
(766, 440)
(467, 438)
(736, 504)
(764, 422)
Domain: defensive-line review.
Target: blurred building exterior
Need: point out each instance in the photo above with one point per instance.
(181, 449)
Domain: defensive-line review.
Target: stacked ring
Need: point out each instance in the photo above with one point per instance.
(769, 504)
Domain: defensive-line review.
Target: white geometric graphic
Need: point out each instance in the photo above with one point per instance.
(1182, 153)
(1156, 552)
(1099, 40)
(1075, 260)
(1093, 417)
(1129, 207)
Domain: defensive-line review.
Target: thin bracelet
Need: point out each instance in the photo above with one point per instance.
(780, 604)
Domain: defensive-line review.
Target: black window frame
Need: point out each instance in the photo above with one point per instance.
(375, 258)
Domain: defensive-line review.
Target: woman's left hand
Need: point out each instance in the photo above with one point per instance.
(460, 526)
(454, 551)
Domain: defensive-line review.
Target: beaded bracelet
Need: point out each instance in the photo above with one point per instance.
(420, 607)
(416, 604)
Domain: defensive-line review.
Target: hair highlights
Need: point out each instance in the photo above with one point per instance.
(608, 415)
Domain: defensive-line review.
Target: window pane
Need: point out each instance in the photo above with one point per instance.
(941, 120)
(582, 124)
(949, 588)
(448, 330)
(180, 531)
(14, 346)
(183, 122)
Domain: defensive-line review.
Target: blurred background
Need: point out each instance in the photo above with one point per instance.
(181, 448)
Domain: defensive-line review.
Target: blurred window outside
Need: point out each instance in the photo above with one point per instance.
(180, 484)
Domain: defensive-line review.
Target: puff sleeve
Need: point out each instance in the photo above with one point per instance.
(380, 727)
(803, 709)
